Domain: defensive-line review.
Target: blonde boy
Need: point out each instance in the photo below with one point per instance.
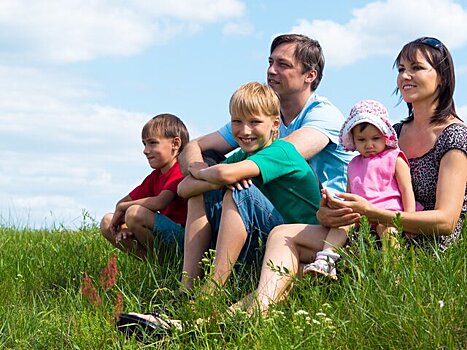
(290, 188)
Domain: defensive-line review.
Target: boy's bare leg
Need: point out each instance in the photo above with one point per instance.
(128, 245)
(230, 241)
(105, 228)
(288, 246)
(197, 240)
(140, 222)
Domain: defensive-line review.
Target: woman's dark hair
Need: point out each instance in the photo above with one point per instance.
(307, 51)
(438, 56)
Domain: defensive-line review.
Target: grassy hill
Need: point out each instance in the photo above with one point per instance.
(407, 299)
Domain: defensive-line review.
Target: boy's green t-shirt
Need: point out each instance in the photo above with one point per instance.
(286, 180)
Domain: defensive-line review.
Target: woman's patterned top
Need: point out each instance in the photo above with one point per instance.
(424, 171)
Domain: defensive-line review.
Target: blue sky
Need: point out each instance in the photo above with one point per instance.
(78, 79)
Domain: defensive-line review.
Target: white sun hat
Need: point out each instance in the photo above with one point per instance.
(367, 111)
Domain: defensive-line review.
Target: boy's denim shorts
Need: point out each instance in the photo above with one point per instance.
(258, 215)
(168, 231)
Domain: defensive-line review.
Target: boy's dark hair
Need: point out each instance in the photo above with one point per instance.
(307, 51)
(440, 59)
(168, 126)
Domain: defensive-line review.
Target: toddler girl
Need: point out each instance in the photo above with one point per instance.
(380, 174)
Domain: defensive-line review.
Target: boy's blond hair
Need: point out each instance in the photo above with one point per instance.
(168, 126)
(254, 99)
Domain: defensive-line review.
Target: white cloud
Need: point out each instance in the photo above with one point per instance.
(383, 27)
(28, 89)
(60, 153)
(77, 30)
(238, 28)
(192, 10)
(59, 111)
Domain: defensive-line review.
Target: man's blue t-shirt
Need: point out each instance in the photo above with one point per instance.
(331, 163)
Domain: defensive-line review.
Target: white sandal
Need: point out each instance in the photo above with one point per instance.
(323, 265)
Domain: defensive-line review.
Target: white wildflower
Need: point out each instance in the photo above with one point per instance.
(441, 304)
(301, 312)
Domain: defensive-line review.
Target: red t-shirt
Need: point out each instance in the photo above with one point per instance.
(155, 183)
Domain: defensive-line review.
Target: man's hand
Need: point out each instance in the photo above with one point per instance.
(332, 213)
(195, 168)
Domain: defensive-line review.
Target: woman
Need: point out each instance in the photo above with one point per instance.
(434, 139)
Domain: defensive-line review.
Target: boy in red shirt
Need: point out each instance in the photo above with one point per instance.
(152, 209)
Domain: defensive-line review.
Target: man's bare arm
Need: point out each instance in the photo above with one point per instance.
(193, 150)
(308, 141)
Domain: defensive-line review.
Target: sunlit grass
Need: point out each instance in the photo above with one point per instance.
(405, 299)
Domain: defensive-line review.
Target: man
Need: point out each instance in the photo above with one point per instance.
(310, 122)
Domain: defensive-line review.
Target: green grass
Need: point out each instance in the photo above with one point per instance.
(407, 299)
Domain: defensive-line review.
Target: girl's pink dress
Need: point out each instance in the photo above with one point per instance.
(373, 178)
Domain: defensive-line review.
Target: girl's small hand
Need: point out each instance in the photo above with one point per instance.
(349, 200)
(331, 199)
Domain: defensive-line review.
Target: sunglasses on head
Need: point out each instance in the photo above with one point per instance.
(433, 42)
